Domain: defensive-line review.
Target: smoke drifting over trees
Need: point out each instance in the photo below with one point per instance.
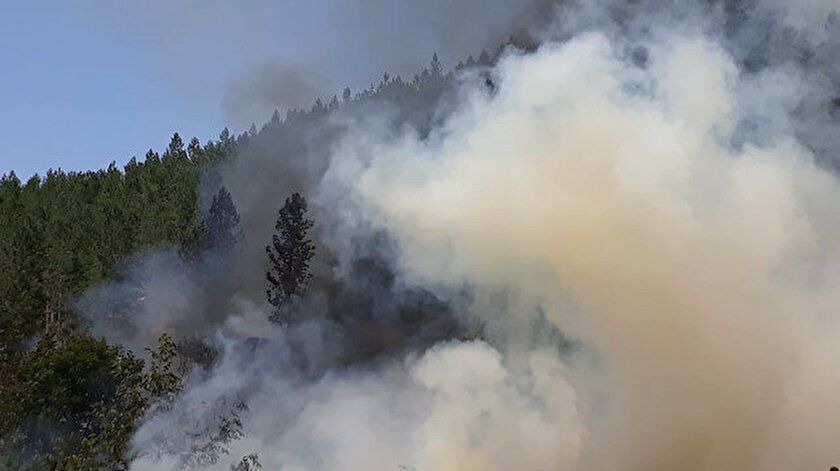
(610, 242)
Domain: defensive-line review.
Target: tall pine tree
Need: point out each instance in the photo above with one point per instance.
(218, 232)
(222, 222)
(289, 253)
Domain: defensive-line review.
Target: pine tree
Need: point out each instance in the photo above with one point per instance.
(175, 151)
(222, 222)
(219, 231)
(289, 253)
(194, 150)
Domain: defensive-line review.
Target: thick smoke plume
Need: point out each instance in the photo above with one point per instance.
(622, 248)
(700, 276)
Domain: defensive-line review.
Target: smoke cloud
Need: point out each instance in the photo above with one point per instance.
(699, 275)
(272, 88)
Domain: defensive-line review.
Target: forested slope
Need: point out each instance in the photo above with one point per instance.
(143, 308)
(69, 400)
(64, 232)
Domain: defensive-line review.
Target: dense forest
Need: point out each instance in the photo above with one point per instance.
(69, 400)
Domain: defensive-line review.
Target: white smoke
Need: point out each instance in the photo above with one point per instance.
(702, 274)
(663, 213)
(457, 407)
(809, 15)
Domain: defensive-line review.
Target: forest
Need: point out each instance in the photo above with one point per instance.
(69, 399)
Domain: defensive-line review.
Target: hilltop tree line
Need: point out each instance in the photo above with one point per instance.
(69, 401)
(63, 233)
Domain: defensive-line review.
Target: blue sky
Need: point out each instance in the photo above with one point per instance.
(91, 82)
(75, 98)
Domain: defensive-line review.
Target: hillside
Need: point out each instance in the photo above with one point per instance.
(609, 243)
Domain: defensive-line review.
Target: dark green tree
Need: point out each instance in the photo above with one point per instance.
(223, 221)
(175, 150)
(161, 383)
(289, 253)
(73, 405)
(218, 231)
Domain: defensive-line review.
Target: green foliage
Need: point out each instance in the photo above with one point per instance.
(290, 252)
(61, 234)
(218, 232)
(222, 222)
(161, 382)
(73, 405)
